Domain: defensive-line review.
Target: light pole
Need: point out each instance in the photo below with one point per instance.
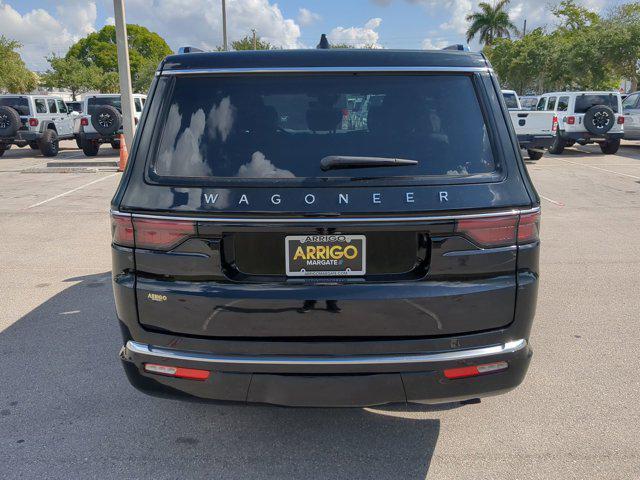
(124, 71)
(224, 25)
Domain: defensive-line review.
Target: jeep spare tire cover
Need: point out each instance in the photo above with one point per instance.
(9, 122)
(599, 119)
(106, 120)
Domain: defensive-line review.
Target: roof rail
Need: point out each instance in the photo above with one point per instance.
(458, 46)
(189, 50)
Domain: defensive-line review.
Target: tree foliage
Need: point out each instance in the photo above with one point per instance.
(15, 77)
(246, 43)
(99, 49)
(490, 23)
(70, 73)
(585, 51)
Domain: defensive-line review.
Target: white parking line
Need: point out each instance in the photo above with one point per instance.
(601, 169)
(555, 202)
(70, 191)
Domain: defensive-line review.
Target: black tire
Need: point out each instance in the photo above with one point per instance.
(106, 120)
(558, 146)
(34, 145)
(49, 143)
(3, 148)
(90, 148)
(534, 155)
(599, 119)
(115, 144)
(78, 142)
(569, 143)
(9, 122)
(610, 147)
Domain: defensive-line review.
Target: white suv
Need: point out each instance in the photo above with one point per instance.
(585, 117)
(101, 121)
(39, 121)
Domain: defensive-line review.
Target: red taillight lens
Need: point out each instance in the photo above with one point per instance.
(620, 120)
(178, 372)
(122, 230)
(490, 232)
(475, 370)
(501, 231)
(554, 124)
(33, 122)
(84, 121)
(529, 228)
(161, 234)
(571, 120)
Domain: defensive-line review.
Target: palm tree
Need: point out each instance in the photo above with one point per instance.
(490, 22)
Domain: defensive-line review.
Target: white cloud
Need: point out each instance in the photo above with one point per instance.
(307, 17)
(357, 36)
(110, 21)
(261, 167)
(434, 44)
(41, 33)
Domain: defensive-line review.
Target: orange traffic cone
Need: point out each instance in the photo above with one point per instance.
(124, 154)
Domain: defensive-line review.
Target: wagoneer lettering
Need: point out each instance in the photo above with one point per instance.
(326, 228)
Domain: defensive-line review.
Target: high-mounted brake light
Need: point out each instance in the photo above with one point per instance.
(33, 122)
(475, 370)
(501, 231)
(84, 121)
(620, 120)
(571, 120)
(178, 372)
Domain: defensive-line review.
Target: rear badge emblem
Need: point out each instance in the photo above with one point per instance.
(156, 297)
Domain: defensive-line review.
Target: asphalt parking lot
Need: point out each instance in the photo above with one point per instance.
(67, 411)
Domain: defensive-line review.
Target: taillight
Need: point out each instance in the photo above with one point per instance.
(571, 120)
(554, 124)
(122, 230)
(501, 231)
(178, 372)
(33, 122)
(84, 121)
(161, 234)
(620, 120)
(475, 370)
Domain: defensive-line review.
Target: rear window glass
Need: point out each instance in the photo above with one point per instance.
(94, 102)
(282, 127)
(511, 100)
(20, 104)
(585, 102)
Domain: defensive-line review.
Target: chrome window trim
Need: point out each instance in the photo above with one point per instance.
(275, 220)
(231, 71)
(455, 355)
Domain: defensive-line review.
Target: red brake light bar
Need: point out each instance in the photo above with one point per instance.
(501, 231)
(178, 372)
(149, 233)
(475, 370)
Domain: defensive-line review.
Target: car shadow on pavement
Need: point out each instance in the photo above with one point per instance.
(67, 411)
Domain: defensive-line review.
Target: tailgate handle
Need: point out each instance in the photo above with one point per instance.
(523, 115)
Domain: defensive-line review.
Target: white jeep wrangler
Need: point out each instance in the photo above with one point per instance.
(585, 117)
(39, 121)
(101, 121)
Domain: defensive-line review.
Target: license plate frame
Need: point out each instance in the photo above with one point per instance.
(326, 266)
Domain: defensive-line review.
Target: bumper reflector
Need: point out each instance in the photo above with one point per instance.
(178, 372)
(475, 370)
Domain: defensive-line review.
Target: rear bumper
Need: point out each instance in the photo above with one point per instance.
(329, 381)
(535, 141)
(22, 136)
(589, 136)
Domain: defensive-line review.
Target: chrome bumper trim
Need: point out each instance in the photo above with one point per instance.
(468, 354)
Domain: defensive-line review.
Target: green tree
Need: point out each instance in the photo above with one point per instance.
(246, 43)
(490, 23)
(15, 77)
(99, 49)
(70, 73)
(622, 30)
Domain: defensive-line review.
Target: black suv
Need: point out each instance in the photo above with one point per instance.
(325, 228)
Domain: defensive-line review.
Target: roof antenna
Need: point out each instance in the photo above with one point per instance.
(324, 43)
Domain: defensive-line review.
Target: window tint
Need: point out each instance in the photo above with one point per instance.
(631, 101)
(563, 104)
(541, 104)
(41, 105)
(528, 103)
(511, 100)
(138, 105)
(62, 108)
(585, 102)
(250, 127)
(551, 105)
(52, 105)
(19, 104)
(94, 102)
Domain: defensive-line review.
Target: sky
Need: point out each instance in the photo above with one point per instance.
(47, 26)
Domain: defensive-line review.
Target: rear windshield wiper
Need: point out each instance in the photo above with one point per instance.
(342, 161)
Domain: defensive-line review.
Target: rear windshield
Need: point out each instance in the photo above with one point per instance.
(20, 104)
(511, 100)
(94, 102)
(585, 102)
(255, 127)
